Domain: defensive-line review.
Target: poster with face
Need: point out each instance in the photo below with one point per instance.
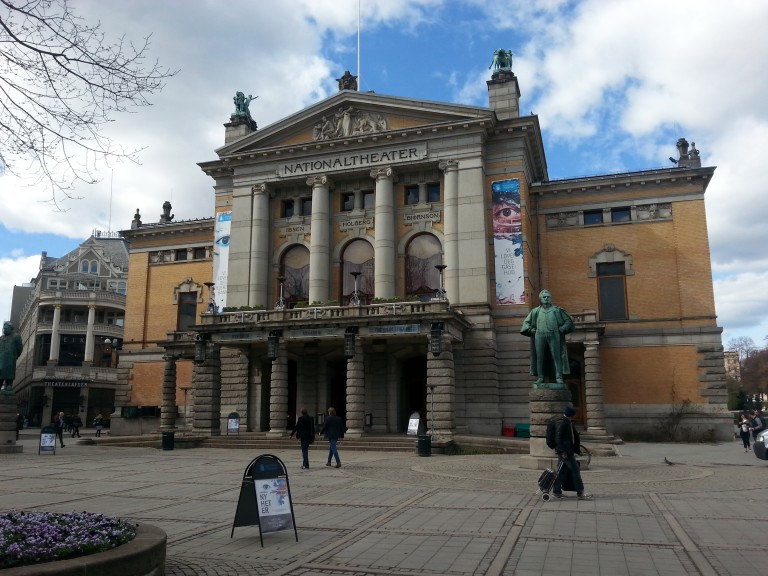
(507, 242)
(221, 234)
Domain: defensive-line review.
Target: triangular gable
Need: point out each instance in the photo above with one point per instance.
(351, 114)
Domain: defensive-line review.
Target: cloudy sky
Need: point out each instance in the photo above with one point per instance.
(615, 84)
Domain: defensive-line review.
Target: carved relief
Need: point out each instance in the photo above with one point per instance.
(654, 211)
(348, 122)
(562, 219)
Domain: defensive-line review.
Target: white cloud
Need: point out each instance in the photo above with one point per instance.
(17, 270)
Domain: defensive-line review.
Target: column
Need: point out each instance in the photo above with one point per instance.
(168, 409)
(53, 357)
(384, 243)
(320, 240)
(422, 192)
(88, 357)
(259, 280)
(451, 229)
(206, 392)
(441, 393)
(278, 394)
(593, 389)
(355, 392)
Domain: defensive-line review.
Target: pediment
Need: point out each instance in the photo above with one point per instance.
(350, 114)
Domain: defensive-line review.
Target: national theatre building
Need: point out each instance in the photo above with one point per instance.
(378, 254)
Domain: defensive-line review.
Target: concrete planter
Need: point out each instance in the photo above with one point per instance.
(142, 556)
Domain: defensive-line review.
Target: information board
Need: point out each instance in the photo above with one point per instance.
(265, 498)
(233, 423)
(413, 424)
(47, 441)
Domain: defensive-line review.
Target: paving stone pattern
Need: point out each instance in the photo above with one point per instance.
(401, 514)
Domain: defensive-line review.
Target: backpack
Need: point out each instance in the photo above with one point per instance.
(551, 429)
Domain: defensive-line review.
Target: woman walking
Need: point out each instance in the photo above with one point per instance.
(333, 431)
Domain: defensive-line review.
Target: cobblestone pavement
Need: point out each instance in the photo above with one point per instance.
(400, 514)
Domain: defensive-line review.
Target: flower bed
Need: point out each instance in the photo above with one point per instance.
(38, 537)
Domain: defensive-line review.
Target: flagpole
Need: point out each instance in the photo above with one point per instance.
(359, 81)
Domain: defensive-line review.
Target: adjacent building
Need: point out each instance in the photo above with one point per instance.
(71, 324)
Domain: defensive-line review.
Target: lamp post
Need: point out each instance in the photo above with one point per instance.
(273, 341)
(349, 341)
(280, 302)
(211, 297)
(440, 292)
(355, 300)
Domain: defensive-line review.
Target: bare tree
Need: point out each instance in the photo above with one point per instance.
(61, 81)
(744, 345)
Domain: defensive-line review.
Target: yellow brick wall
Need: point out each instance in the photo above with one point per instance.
(649, 375)
(135, 299)
(147, 382)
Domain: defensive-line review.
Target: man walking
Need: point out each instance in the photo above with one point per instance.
(567, 445)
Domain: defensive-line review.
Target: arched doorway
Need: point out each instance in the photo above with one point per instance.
(422, 254)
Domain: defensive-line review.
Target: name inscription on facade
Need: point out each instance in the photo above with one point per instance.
(353, 160)
(395, 329)
(355, 223)
(422, 217)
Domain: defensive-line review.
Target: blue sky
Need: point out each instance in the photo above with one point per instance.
(615, 84)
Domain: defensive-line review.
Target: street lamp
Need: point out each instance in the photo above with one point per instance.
(280, 302)
(355, 300)
(436, 338)
(273, 340)
(440, 293)
(349, 341)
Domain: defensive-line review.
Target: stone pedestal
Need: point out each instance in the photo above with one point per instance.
(8, 423)
(545, 404)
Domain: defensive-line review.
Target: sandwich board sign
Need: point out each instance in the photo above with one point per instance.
(413, 424)
(47, 441)
(265, 498)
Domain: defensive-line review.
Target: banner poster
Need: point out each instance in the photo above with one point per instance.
(274, 502)
(508, 242)
(221, 234)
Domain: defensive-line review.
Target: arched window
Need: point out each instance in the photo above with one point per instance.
(295, 268)
(421, 256)
(94, 266)
(357, 257)
(84, 266)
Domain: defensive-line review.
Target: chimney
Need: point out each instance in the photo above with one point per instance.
(504, 94)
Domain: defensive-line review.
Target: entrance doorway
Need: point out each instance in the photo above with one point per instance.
(337, 388)
(413, 391)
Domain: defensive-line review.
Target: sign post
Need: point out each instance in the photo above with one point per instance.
(47, 441)
(265, 498)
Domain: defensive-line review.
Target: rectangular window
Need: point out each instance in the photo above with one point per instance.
(187, 310)
(433, 192)
(612, 295)
(347, 202)
(411, 195)
(306, 206)
(199, 254)
(622, 214)
(181, 254)
(286, 209)
(593, 217)
(369, 200)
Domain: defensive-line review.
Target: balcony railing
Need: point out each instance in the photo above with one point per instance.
(380, 310)
(93, 374)
(101, 330)
(81, 296)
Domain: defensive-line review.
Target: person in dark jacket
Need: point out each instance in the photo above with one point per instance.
(567, 446)
(333, 431)
(77, 422)
(58, 425)
(305, 432)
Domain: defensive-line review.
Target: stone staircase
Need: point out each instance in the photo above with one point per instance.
(260, 441)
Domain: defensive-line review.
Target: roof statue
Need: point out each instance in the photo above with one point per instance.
(347, 82)
(685, 157)
(166, 216)
(242, 104)
(502, 60)
(136, 223)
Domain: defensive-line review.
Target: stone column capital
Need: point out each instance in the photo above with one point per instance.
(382, 173)
(448, 165)
(320, 180)
(259, 189)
